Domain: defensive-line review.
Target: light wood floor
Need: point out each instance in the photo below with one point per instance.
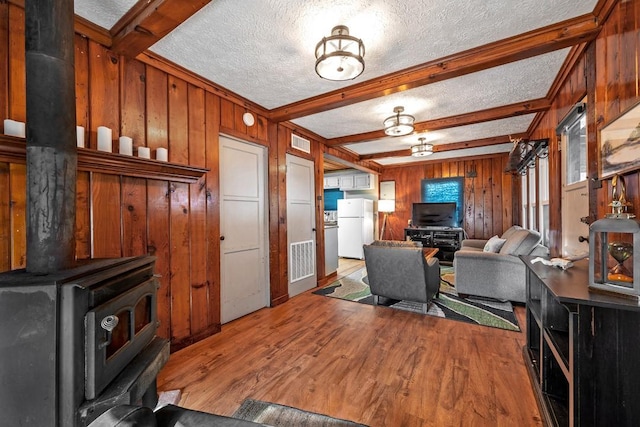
(373, 365)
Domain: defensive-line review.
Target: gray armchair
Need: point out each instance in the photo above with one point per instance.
(399, 270)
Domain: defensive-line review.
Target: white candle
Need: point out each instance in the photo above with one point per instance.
(14, 128)
(104, 139)
(162, 154)
(144, 152)
(80, 136)
(126, 145)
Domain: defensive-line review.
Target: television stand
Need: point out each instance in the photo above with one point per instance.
(446, 239)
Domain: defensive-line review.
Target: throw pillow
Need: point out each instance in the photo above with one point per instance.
(521, 242)
(494, 244)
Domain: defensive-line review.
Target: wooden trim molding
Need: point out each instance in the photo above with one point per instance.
(542, 40)
(14, 150)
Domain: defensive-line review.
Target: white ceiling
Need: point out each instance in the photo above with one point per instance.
(263, 50)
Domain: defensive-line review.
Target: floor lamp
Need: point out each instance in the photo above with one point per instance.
(386, 207)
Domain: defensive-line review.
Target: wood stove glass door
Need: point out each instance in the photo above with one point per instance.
(243, 229)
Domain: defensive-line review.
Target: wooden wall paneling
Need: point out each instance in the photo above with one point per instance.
(134, 216)
(157, 109)
(17, 71)
(4, 66)
(104, 94)
(198, 251)
(478, 199)
(509, 216)
(133, 99)
(280, 289)
(238, 123)
(227, 114)
(487, 193)
(5, 214)
(178, 121)
(200, 318)
(629, 42)
(497, 171)
(262, 125)
(81, 58)
(274, 216)
(612, 67)
(105, 216)
(197, 120)
(18, 185)
(158, 226)
(83, 215)
(212, 135)
(470, 174)
(180, 266)
(436, 170)
(592, 131)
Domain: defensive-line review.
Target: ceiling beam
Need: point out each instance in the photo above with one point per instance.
(148, 21)
(496, 113)
(484, 142)
(537, 42)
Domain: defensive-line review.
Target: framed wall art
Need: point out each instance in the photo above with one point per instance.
(619, 144)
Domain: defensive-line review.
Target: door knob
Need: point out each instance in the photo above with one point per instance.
(583, 239)
(221, 237)
(313, 229)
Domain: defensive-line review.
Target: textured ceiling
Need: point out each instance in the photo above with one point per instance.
(264, 52)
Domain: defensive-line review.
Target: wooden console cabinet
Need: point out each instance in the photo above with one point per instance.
(446, 239)
(583, 349)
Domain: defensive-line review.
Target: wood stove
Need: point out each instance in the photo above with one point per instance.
(77, 342)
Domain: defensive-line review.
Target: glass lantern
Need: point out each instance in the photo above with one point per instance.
(613, 242)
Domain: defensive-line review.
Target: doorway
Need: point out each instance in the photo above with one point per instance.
(301, 225)
(243, 229)
(575, 189)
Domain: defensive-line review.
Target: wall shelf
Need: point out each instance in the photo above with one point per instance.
(13, 150)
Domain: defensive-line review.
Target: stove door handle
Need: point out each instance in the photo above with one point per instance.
(108, 323)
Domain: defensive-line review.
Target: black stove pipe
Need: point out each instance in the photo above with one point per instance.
(51, 135)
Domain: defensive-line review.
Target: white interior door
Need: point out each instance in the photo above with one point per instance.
(243, 229)
(575, 191)
(301, 225)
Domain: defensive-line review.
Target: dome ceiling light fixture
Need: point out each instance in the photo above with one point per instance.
(399, 124)
(340, 56)
(423, 149)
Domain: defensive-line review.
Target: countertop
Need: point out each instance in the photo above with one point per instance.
(330, 225)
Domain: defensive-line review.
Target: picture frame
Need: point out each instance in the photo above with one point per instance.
(619, 144)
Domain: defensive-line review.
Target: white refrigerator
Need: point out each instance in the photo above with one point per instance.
(355, 227)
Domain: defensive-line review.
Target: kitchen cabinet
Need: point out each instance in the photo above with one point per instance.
(347, 182)
(332, 182)
(360, 181)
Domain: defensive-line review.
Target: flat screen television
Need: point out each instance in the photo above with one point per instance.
(434, 215)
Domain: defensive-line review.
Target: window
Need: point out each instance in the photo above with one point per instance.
(443, 190)
(576, 137)
(543, 194)
(535, 212)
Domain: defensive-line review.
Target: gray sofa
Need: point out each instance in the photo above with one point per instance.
(501, 274)
(399, 270)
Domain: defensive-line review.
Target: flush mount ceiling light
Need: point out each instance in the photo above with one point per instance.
(421, 150)
(399, 124)
(340, 56)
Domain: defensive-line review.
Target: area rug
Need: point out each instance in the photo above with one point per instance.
(481, 311)
(277, 415)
